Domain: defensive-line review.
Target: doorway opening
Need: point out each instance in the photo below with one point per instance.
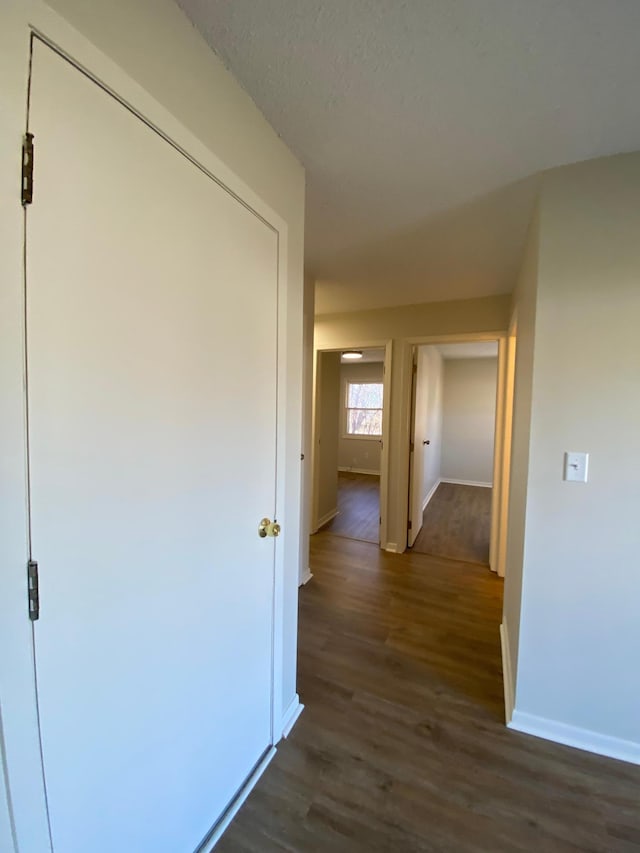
(456, 450)
(349, 443)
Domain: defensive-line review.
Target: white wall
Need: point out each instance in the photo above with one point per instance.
(328, 415)
(468, 423)
(578, 678)
(152, 42)
(524, 310)
(362, 454)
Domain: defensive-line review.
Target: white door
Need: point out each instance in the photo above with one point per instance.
(151, 329)
(416, 467)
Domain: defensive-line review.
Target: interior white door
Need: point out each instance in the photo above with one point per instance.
(416, 467)
(151, 326)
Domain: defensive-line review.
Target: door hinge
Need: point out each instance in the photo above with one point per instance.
(34, 592)
(27, 169)
(409, 525)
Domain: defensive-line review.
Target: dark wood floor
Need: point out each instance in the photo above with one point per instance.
(358, 507)
(457, 524)
(402, 745)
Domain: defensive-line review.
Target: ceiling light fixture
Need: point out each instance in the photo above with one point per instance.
(352, 354)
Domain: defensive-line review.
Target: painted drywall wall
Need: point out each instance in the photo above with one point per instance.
(524, 312)
(328, 403)
(404, 326)
(469, 414)
(407, 321)
(195, 87)
(360, 454)
(579, 639)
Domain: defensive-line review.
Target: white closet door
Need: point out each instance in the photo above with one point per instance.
(151, 343)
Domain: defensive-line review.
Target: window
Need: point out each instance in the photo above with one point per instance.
(363, 406)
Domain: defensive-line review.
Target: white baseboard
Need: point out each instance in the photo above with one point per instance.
(218, 829)
(392, 547)
(507, 674)
(359, 471)
(290, 716)
(430, 495)
(326, 518)
(467, 483)
(306, 577)
(612, 747)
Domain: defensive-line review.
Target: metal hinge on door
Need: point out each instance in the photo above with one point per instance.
(34, 592)
(27, 169)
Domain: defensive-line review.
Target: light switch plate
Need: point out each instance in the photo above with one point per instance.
(576, 466)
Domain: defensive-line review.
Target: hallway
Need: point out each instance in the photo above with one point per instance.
(402, 745)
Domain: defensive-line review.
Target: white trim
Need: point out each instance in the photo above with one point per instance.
(326, 518)
(466, 483)
(290, 717)
(219, 828)
(431, 494)
(507, 675)
(392, 547)
(590, 741)
(358, 471)
(369, 436)
(306, 577)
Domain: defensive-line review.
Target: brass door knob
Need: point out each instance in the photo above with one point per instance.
(268, 528)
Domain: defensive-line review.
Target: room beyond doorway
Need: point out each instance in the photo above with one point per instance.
(358, 507)
(452, 450)
(349, 427)
(457, 524)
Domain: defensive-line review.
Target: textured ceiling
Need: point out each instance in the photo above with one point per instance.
(422, 125)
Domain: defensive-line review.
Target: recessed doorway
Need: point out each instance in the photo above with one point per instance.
(452, 450)
(349, 442)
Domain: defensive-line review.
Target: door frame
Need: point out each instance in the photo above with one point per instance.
(21, 780)
(387, 345)
(502, 441)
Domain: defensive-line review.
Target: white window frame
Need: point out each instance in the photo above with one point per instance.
(346, 408)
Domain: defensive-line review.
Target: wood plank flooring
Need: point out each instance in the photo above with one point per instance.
(402, 745)
(358, 507)
(457, 524)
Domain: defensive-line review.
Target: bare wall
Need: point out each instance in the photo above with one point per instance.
(579, 640)
(327, 436)
(524, 310)
(468, 422)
